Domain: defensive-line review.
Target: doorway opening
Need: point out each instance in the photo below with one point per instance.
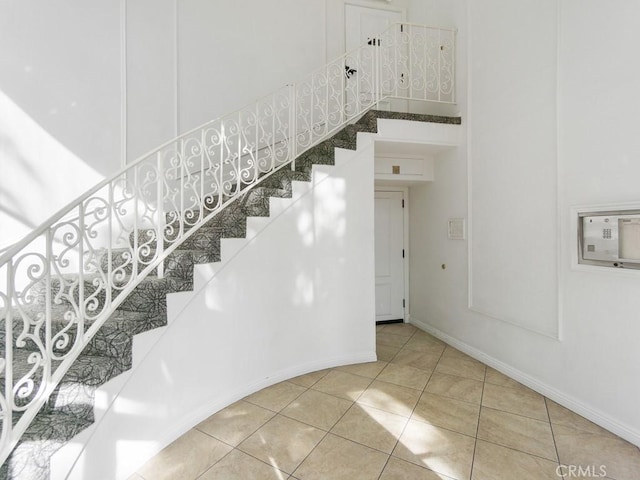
(391, 253)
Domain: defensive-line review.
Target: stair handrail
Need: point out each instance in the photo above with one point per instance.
(62, 281)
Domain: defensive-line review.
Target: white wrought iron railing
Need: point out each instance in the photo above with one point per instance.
(60, 283)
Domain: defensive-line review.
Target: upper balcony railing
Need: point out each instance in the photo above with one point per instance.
(60, 283)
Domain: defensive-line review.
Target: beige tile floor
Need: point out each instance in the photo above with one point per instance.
(424, 411)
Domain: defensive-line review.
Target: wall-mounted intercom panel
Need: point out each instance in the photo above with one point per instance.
(609, 238)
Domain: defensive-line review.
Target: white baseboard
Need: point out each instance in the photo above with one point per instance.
(596, 416)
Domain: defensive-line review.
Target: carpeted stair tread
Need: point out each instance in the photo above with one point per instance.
(89, 369)
(121, 260)
(133, 323)
(112, 338)
(76, 392)
(150, 295)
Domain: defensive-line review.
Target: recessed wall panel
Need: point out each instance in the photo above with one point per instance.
(513, 162)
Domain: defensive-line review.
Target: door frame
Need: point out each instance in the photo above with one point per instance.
(378, 6)
(367, 4)
(405, 240)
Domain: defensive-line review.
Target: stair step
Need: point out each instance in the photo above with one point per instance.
(174, 264)
(88, 369)
(190, 217)
(76, 392)
(111, 337)
(150, 295)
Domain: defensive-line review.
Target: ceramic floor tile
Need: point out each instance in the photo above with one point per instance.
(461, 417)
(342, 384)
(397, 469)
(493, 462)
(618, 458)
(519, 400)
(371, 427)
(240, 466)
(417, 359)
(424, 346)
(390, 339)
(386, 353)
(437, 449)
(515, 431)
(308, 379)
(497, 378)
(403, 329)
(458, 388)
(318, 409)
(336, 458)
(450, 352)
(405, 376)
(282, 442)
(421, 334)
(560, 415)
(186, 458)
(236, 422)
(277, 396)
(390, 398)
(462, 368)
(369, 370)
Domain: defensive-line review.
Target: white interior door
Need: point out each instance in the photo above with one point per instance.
(389, 251)
(362, 26)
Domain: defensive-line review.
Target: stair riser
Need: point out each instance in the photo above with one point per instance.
(114, 336)
(177, 263)
(95, 296)
(252, 204)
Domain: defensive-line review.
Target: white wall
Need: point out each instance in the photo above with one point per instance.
(232, 52)
(298, 297)
(60, 115)
(118, 78)
(29, 188)
(512, 136)
(61, 66)
(593, 367)
(151, 99)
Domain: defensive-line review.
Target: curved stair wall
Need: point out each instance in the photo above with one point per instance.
(296, 295)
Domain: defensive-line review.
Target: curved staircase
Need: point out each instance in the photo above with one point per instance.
(69, 409)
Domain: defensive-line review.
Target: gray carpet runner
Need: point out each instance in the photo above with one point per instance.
(69, 409)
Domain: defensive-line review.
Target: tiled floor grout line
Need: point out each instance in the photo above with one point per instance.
(414, 407)
(235, 447)
(553, 435)
(408, 418)
(475, 443)
(326, 433)
(355, 402)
